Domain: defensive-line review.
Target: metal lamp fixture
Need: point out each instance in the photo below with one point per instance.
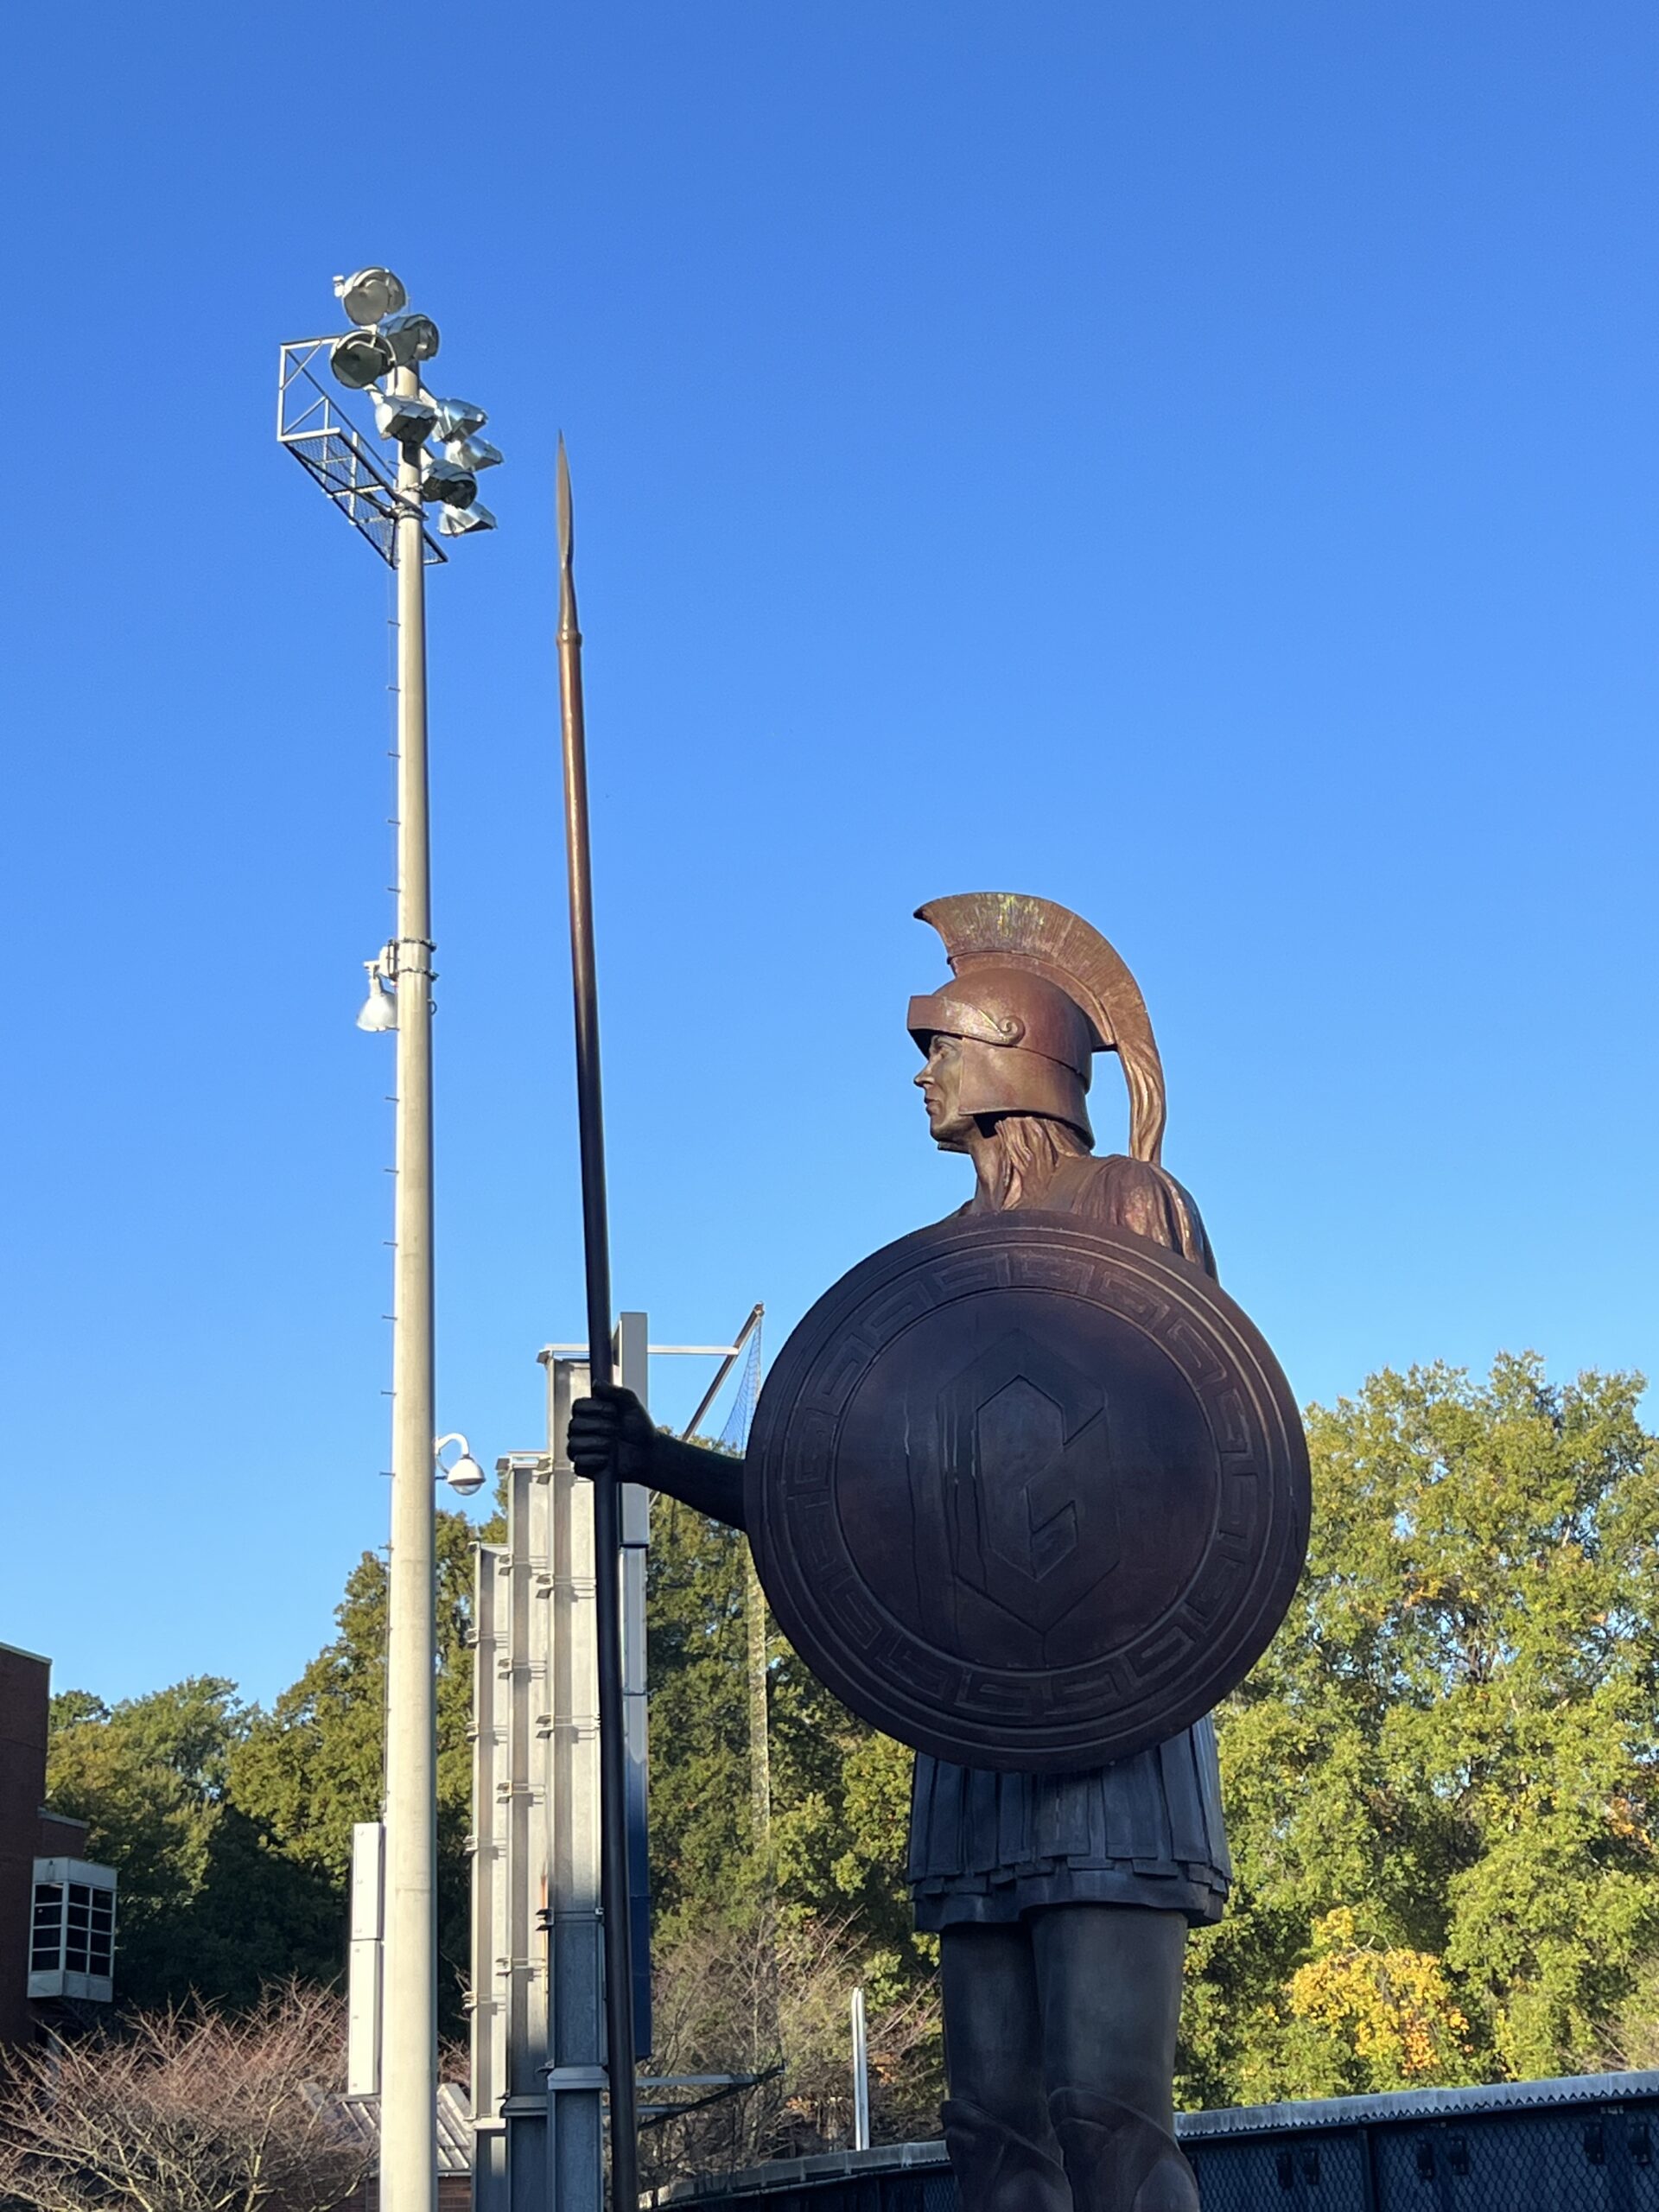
(360, 358)
(459, 418)
(412, 338)
(473, 453)
(447, 480)
(404, 415)
(369, 294)
(461, 521)
(465, 1475)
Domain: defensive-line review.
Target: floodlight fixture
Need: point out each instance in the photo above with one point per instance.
(445, 480)
(460, 522)
(473, 454)
(380, 1007)
(465, 1475)
(411, 337)
(359, 358)
(459, 418)
(407, 419)
(369, 294)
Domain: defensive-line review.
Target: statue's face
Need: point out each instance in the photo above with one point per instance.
(940, 1084)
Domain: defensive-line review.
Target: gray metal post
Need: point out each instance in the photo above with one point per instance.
(363, 1965)
(530, 1571)
(576, 2069)
(860, 2076)
(633, 1369)
(409, 2172)
(492, 1961)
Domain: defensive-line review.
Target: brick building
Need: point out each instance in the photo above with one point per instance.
(57, 1909)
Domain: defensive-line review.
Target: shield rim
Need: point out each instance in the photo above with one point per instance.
(1247, 1628)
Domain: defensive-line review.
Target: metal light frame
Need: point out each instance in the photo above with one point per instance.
(338, 453)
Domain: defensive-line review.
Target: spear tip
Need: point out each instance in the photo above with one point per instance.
(566, 531)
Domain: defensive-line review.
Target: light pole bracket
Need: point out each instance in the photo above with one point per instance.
(337, 453)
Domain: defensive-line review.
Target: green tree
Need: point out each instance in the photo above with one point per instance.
(841, 1792)
(703, 1851)
(207, 1905)
(756, 1952)
(1440, 1778)
(311, 1767)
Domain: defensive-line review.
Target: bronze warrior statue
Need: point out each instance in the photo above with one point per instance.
(1061, 1898)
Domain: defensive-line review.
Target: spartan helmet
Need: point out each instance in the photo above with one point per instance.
(1036, 993)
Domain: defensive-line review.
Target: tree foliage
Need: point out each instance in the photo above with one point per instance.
(760, 1940)
(231, 1827)
(208, 1901)
(841, 1793)
(311, 1767)
(1440, 1781)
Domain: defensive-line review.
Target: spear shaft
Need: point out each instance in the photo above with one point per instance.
(607, 1548)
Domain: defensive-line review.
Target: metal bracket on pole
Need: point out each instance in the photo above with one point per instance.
(337, 454)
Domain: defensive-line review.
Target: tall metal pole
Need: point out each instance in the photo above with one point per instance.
(409, 2081)
(607, 1532)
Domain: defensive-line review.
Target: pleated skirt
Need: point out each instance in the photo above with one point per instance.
(1145, 1831)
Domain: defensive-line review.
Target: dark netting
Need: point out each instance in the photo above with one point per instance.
(735, 1434)
(1562, 2154)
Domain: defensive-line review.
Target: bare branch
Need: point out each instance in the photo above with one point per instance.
(185, 2112)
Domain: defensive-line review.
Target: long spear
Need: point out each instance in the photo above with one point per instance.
(607, 1547)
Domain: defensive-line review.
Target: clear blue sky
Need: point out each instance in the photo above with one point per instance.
(1195, 461)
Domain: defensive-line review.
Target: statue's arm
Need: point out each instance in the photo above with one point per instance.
(611, 1434)
(712, 1481)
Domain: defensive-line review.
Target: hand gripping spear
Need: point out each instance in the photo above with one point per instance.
(612, 1758)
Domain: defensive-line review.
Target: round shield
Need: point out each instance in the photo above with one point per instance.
(1026, 1493)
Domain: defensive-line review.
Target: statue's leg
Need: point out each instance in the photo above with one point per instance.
(1108, 1980)
(997, 2123)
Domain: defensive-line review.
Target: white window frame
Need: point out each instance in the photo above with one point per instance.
(59, 1979)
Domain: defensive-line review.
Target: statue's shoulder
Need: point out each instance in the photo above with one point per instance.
(1133, 1194)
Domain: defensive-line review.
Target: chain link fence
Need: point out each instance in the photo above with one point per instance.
(1586, 2145)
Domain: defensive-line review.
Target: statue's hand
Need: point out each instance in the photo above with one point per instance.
(610, 1433)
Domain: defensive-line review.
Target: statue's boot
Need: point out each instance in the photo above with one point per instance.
(998, 2170)
(1117, 2159)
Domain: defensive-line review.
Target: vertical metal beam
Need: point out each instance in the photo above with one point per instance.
(363, 1964)
(1369, 2196)
(633, 1369)
(491, 1979)
(409, 2167)
(860, 2076)
(575, 2072)
(525, 2105)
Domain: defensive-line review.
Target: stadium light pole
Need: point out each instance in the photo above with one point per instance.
(408, 2075)
(380, 356)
